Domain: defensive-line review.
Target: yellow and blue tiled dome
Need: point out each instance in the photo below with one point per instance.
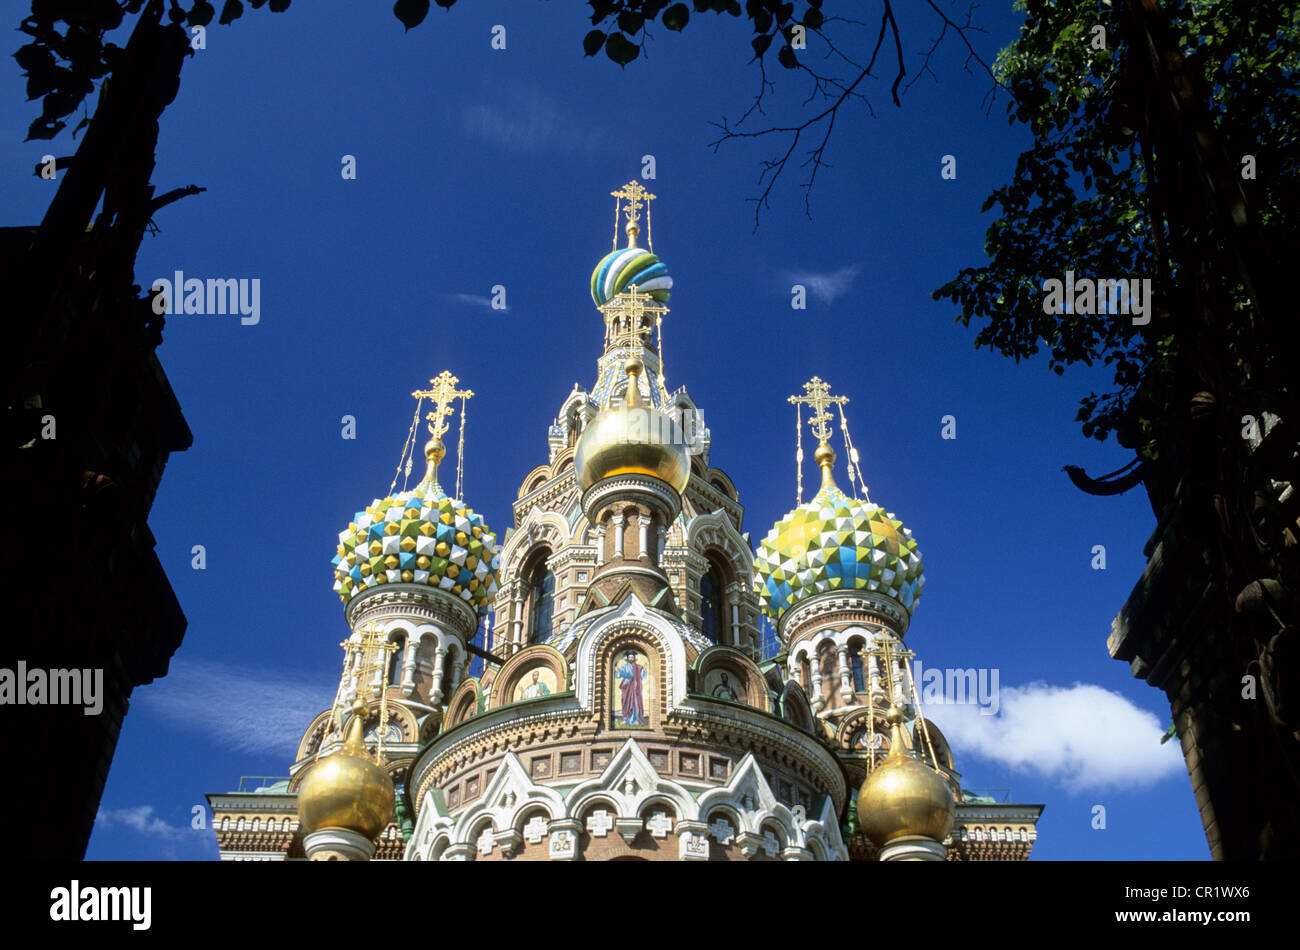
(420, 537)
(835, 542)
(630, 265)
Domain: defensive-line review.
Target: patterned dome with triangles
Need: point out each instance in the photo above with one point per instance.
(835, 542)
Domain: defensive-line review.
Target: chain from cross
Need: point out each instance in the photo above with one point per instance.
(443, 392)
(817, 395)
(634, 194)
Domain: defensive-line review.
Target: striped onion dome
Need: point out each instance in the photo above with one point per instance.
(630, 265)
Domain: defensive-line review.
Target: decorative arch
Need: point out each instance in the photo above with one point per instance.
(507, 797)
(795, 708)
(721, 670)
(516, 675)
(465, 702)
(563, 460)
(311, 740)
(593, 662)
(721, 481)
(942, 750)
(534, 480)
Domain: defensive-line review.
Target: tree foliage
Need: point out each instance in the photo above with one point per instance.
(1081, 198)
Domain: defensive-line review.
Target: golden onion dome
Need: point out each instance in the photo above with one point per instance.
(633, 439)
(347, 789)
(903, 796)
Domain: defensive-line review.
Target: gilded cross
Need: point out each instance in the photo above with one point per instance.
(369, 654)
(634, 194)
(817, 395)
(443, 392)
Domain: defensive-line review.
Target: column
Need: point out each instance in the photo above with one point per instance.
(818, 701)
(600, 543)
(643, 529)
(439, 659)
(662, 532)
(617, 522)
(735, 620)
(873, 676)
(846, 673)
(408, 667)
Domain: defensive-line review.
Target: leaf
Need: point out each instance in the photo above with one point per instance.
(411, 12)
(787, 58)
(592, 42)
(676, 17)
(278, 6)
(230, 12)
(630, 22)
(761, 43)
(620, 49)
(201, 13)
(813, 19)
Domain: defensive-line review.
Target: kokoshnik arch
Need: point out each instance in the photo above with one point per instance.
(625, 708)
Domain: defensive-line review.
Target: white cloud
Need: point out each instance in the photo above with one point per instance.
(1081, 737)
(826, 287)
(142, 820)
(242, 708)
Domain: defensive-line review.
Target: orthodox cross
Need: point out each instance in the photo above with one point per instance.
(637, 197)
(443, 391)
(369, 655)
(817, 395)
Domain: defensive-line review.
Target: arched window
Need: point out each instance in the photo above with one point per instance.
(855, 664)
(805, 674)
(541, 601)
(395, 661)
(712, 616)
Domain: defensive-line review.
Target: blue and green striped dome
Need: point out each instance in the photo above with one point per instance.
(418, 537)
(835, 542)
(630, 265)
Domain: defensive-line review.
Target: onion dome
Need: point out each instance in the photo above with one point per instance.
(834, 542)
(902, 796)
(630, 265)
(419, 537)
(346, 789)
(633, 439)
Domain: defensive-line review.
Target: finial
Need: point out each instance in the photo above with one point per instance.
(817, 395)
(442, 391)
(356, 742)
(633, 369)
(637, 197)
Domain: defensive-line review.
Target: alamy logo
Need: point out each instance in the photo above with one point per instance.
(676, 426)
(37, 687)
(214, 296)
(1104, 295)
(103, 903)
(957, 686)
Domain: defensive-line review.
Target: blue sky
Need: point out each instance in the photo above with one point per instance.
(478, 167)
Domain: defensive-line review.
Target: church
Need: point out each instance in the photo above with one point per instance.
(594, 682)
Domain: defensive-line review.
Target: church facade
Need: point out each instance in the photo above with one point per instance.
(626, 705)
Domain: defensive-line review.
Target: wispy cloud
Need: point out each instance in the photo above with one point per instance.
(826, 287)
(142, 820)
(1081, 737)
(531, 122)
(476, 300)
(244, 709)
(148, 835)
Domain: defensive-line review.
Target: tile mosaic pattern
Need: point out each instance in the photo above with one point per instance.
(418, 537)
(834, 542)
